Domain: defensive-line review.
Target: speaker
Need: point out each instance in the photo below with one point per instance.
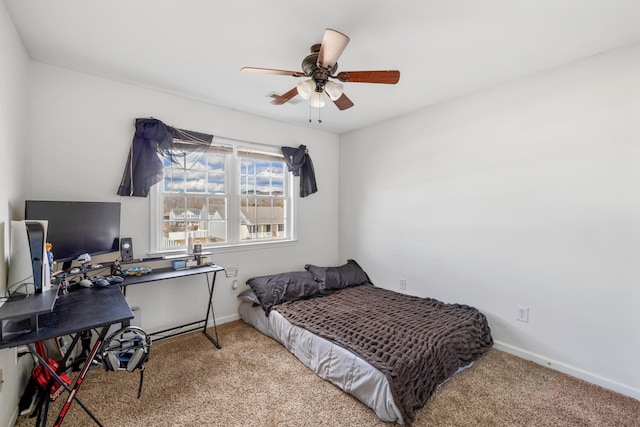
(126, 249)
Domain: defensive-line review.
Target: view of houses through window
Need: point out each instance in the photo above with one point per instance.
(224, 196)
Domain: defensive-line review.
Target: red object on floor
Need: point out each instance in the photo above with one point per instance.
(42, 375)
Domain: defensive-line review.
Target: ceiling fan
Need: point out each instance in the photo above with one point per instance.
(320, 66)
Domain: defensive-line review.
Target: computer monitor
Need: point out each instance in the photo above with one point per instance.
(76, 228)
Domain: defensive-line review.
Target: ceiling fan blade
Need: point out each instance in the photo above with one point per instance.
(381, 76)
(285, 97)
(272, 71)
(343, 102)
(333, 44)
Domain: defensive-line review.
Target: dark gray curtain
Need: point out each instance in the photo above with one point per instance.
(152, 142)
(299, 163)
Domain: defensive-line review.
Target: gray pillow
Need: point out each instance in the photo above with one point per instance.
(278, 288)
(334, 278)
(249, 296)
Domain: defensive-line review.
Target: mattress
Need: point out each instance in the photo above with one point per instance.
(349, 333)
(329, 361)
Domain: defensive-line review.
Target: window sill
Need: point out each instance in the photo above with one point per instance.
(243, 247)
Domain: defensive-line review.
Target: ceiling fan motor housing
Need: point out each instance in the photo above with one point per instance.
(312, 70)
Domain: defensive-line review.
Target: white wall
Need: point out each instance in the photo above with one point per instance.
(525, 194)
(82, 127)
(14, 140)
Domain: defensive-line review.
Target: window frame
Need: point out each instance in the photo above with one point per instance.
(233, 197)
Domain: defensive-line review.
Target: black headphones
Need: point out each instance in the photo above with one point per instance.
(126, 349)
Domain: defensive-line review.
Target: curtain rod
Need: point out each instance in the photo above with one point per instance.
(224, 139)
(240, 141)
(228, 139)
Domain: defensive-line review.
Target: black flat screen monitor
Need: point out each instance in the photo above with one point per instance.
(76, 228)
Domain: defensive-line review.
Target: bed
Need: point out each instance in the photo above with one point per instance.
(389, 350)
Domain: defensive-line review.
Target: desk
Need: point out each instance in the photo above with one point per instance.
(169, 273)
(80, 310)
(32, 307)
(85, 309)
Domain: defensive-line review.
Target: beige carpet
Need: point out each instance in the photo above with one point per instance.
(253, 381)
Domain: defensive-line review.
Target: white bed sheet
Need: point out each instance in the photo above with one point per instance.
(328, 360)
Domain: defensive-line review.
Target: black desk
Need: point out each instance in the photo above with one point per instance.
(80, 310)
(85, 309)
(32, 307)
(169, 273)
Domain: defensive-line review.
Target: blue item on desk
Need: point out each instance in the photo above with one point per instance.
(179, 264)
(136, 271)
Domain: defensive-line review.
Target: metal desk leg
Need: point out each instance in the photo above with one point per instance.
(80, 379)
(210, 310)
(76, 386)
(46, 392)
(43, 412)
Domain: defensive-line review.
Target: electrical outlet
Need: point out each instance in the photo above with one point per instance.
(403, 284)
(234, 287)
(522, 313)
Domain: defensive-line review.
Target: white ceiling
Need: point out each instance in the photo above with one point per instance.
(443, 48)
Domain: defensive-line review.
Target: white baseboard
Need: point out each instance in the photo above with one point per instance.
(227, 319)
(196, 326)
(569, 370)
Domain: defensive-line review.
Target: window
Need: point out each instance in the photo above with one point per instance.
(263, 205)
(230, 195)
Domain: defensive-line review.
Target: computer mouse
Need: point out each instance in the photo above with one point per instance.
(86, 283)
(102, 283)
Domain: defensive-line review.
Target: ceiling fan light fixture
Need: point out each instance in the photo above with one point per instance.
(316, 100)
(306, 88)
(334, 90)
